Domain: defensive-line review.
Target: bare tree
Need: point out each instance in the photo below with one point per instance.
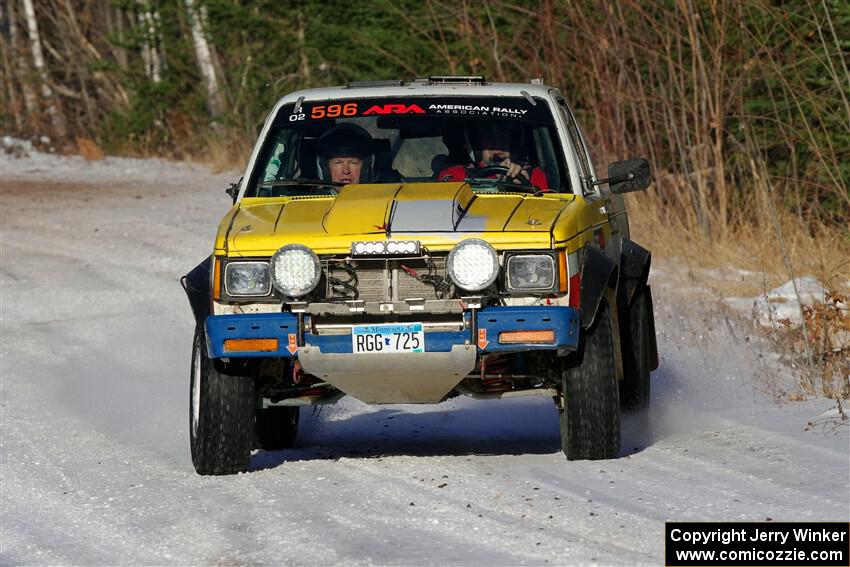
(150, 52)
(21, 69)
(203, 54)
(57, 119)
(114, 18)
(9, 98)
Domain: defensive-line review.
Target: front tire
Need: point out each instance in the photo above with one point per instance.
(221, 415)
(590, 418)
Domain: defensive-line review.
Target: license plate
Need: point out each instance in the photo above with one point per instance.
(408, 337)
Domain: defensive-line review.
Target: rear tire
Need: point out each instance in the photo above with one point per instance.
(277, 427)
(634, 388)
(590, 419)
(221, 415)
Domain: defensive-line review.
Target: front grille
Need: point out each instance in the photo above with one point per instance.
(383, 279)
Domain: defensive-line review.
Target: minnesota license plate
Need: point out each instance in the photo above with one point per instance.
(406, 337)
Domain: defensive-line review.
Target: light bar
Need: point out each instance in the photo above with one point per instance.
(386, 248)
(537, 337)
(250, 345)
(457, 80)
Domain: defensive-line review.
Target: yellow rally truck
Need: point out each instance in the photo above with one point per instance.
(408, 242)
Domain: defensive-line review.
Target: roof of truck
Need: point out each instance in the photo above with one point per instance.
(432, 86)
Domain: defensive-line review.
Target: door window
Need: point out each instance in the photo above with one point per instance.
(578, 144)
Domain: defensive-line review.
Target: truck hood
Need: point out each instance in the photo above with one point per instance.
(437, 214)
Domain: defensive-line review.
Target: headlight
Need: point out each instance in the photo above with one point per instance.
(473, 264)
(531, 272)
(247, 278)
(295, 270)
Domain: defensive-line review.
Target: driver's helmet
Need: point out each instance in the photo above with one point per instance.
(495, 135)
(345, 140)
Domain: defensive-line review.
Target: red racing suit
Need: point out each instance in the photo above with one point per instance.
(459, 173)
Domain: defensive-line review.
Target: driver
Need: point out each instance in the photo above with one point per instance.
(492, 147)
(345, 154)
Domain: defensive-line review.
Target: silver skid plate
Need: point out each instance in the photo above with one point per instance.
(395, 378)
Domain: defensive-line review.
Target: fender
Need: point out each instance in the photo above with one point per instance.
(598, 282)
(196, 284)
(598, 272)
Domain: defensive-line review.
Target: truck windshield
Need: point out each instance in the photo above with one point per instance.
(494, 143)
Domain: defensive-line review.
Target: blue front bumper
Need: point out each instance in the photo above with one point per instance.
(490, 322)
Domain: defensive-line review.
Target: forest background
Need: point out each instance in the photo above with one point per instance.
(742, 107)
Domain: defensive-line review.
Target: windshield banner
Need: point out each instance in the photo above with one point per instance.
(511, 108)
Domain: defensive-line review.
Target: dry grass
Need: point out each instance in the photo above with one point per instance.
(819, 351)
(227, 151)
(750, 259)
(751, 251)
(89, 150)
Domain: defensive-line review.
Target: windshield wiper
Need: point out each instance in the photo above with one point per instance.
(505, 186)
(302, 182)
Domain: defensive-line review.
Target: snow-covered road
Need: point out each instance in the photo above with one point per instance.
(94, 458)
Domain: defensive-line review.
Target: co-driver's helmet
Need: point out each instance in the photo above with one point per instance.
(495, 135)
(345, 140)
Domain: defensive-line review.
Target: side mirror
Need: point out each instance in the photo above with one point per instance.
(233, 190)
(627, 176)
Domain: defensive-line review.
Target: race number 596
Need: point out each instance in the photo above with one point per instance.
(333, 110)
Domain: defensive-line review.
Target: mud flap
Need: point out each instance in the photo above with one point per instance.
(653, 343)
(634, 270)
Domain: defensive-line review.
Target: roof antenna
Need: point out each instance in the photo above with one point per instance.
(298, 104)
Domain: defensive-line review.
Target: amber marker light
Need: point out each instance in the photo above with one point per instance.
(515, 337)
(562, 271)
(216, 284)
(246, 345)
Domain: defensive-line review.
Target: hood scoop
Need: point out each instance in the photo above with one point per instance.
(360, 209)
(431, 207)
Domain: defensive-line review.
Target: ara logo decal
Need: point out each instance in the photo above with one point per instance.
(394, 109)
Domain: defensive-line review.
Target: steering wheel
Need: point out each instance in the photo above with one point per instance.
(501, 171)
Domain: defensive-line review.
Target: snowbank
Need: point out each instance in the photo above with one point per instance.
(782, 303)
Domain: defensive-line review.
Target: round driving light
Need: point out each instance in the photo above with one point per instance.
(392, 247)
(360, 248)
(473, 264)
(295, 270)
